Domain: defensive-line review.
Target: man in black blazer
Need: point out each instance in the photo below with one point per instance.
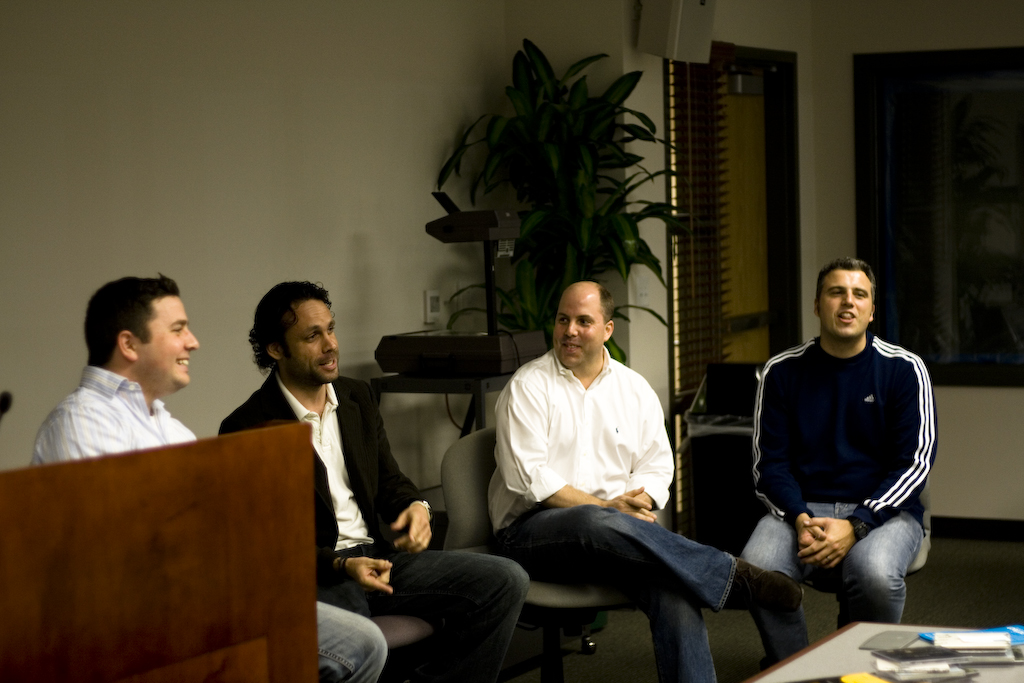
(474, 599)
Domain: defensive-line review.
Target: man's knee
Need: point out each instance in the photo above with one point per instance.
(874, 572)
(772, 545)
(591, 522)
(350, 645)
(511, 575)
(580, 525)
(507, 579)
(374, 648)
(584, 516)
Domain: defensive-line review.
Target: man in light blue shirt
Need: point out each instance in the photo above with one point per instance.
(139, 346)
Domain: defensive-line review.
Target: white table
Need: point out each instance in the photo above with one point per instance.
(840, 654)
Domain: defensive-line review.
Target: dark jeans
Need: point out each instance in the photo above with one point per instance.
(474, 599)
(669, 576)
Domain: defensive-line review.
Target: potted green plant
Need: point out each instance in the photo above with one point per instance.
(564, 152)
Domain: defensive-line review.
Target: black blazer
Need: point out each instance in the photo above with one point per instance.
(379, 486)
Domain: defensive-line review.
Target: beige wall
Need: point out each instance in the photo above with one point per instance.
(233, 144)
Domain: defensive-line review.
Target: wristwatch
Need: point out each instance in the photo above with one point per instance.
(430, 513)
(860, 529)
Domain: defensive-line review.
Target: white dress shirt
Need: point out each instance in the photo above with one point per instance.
(107, 413)
(551, 431)
(352, 529)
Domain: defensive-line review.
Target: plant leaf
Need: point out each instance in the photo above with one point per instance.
(522, 76)
(580, 66)
(547, 112)
(451, 165)
(461, 312)
(571, 272)
(495, 129)
(579, 94)
(554, 157)
(542, 67)
(586, 157)
(526, 285)
(520, 102)
(453, 162)
(638, 132)
(644, 119)
(614, 350)
(493, 163)
(465, 289)
(646, 258)
(653, 312)
(584, 231)
(627, 232)
(619, 259)
(584, 199)
(618, 91)
(531, 221)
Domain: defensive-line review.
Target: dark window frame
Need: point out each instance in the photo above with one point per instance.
(871, 72)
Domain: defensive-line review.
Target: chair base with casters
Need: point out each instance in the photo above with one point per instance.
(568, 608)
(465, 475)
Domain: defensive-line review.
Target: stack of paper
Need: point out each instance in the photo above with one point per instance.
(1002, 645)
(931, 663)
(992, 638)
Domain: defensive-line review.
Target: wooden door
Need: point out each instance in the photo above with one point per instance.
(745, 336)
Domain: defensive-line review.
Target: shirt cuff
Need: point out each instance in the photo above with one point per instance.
(653, 488)
(546, 483)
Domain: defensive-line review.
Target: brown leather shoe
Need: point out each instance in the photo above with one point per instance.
(771, 590)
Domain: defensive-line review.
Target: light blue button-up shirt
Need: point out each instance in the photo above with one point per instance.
(107, 413)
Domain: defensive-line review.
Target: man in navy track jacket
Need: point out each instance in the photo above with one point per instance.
(844, 440)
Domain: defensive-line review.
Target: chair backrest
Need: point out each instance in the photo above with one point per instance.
(465, 475)
(926, 542)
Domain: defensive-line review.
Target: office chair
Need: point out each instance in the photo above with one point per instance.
(408, 645)
(465, 474)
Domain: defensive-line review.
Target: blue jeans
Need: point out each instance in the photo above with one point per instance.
(669, 576)
(873, 573)
(473, 600)
(351, 647)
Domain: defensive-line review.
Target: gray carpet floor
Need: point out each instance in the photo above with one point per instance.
(969, 583)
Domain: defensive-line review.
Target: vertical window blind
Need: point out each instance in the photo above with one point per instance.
(694, 95)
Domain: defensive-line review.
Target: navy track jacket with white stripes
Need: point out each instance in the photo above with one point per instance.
(855, 430)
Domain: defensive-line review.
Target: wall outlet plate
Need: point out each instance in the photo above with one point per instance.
(431, 306)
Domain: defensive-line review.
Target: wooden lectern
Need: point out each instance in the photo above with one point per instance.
(186, 563)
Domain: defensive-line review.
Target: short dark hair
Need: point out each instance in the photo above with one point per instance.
(125, 304)
(845, 263)
(607, 302)
(276, 313)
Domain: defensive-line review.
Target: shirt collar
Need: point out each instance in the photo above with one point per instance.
(567, 373)
(109, 384)
(301, 411)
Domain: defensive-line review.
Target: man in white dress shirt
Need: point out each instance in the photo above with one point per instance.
(583, 460)
(139, 345)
